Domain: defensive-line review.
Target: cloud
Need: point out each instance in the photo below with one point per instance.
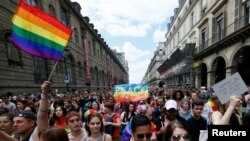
(135, 70)
(138, 60)
(133, 18)
(133, 53)
(159, 35)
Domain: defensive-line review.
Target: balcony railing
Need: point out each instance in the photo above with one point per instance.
(232, 28)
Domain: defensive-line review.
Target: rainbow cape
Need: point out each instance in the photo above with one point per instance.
(38, 33)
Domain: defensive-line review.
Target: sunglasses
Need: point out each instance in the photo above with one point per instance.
(178, 137)
(141, 136)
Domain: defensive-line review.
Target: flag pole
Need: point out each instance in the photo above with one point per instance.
(52, 71)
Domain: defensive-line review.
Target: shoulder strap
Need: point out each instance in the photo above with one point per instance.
(104, 137)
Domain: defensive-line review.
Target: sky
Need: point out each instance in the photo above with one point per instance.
(131, 26)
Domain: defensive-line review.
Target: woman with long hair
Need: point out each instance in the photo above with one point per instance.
(59, 117)
(95, 129)
(127, 115)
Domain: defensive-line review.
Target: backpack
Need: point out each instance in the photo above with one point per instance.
(109, 129)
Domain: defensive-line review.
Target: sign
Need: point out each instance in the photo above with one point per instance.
(66, 79)
(130, 92)
(232, 85)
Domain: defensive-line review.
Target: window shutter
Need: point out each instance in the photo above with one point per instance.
(214, 25)
(236, 15)
(224, 24)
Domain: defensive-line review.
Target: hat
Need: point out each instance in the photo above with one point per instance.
(26, 114)
(171, 104)
(204, 95)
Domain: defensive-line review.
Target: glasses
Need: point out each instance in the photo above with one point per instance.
(141, 136)
(73, 120)
(95, 123)
(178, 137)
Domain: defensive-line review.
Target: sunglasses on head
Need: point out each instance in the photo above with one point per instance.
(141, 136)
(178, 137)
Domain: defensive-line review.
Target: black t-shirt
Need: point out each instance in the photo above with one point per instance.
(195, 126)
(85, 105)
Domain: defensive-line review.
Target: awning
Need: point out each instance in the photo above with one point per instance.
(177, 57)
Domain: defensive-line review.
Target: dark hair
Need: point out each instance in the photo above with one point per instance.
(88, 119)
(10, 116)
(172, 126)
(178, 91)
(98, 104)
(126, 117)
(197, 102)
(110, 106)
(139, 120)
(63, 109)
(54, 134)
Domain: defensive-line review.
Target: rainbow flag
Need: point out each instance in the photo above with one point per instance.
(38, 33)
(130, 92)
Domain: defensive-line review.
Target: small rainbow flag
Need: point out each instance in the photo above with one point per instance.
(130, 92)
(38, 33)
(89, 112)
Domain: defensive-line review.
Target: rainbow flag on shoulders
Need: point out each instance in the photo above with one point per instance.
(38, 33)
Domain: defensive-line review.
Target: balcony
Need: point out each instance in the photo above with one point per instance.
(235, 32)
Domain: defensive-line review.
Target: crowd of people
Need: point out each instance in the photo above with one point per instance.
(84, 115)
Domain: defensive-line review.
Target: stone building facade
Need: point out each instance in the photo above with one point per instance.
(219, 30)
(88, 62)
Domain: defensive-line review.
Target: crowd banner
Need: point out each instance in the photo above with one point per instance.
(232, 85)
(130, 92)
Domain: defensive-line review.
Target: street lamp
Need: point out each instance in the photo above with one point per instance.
(66, 77)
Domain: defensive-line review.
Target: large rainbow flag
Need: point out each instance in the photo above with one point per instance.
(38, 33)
(130, 92)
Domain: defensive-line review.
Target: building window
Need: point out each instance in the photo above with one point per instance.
(192, 19)
(64, 16)
(76, 36)
(220, 26)
(247, 11)
(178, 37)
(52, 11)
(98, 53)
(204, 38)
(80, 70)
(94, 48)
(70, 69)
(13, 53)
(203, 6)
(40, 70)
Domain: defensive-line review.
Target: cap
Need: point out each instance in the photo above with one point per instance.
(204, 95)
(171, 104)
(26, 114)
